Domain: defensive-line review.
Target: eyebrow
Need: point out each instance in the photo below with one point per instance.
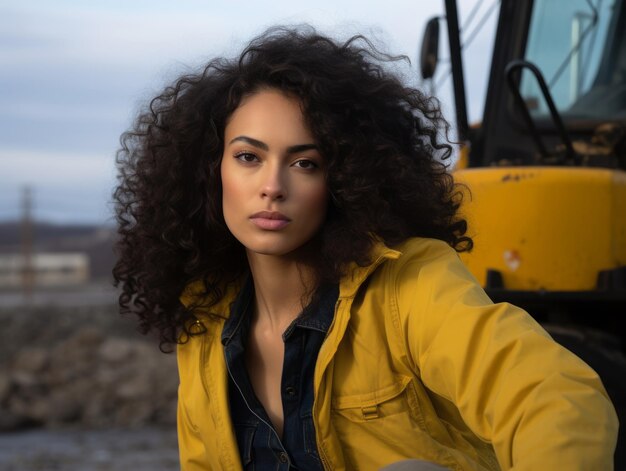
(263, 146)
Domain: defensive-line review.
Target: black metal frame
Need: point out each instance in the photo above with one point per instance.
(456, 61)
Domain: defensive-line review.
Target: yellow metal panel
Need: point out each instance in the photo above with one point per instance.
(619, 218)
(545, 228)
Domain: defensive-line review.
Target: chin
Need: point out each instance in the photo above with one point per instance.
(276, 247)
(275, 250)
(279, 243)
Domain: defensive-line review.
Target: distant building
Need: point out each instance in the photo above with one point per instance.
(46, 269)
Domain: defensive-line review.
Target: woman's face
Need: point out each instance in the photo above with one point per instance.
(274, 188)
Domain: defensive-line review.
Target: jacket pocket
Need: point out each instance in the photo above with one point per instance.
(384, 426)
(385, 402)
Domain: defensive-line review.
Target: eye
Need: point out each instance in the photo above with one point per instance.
(246, 157)
(305, 164)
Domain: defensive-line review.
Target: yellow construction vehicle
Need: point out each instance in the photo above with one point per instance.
(545, 171)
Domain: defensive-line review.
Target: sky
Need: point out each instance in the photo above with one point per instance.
(73, 75)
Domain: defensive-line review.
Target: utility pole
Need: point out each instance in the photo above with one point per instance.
(28, 271)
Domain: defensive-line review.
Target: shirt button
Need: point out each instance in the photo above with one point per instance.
(291, 390)
(282, 457)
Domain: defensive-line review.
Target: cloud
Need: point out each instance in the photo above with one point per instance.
(49, 35)
(53, 168)
(66, 187)
(61, 111)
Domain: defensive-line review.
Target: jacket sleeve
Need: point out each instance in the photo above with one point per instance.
(539, 405)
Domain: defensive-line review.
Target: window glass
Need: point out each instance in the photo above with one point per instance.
(567, 40)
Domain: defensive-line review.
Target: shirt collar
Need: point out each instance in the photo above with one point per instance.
(239, 310)
(318, 315)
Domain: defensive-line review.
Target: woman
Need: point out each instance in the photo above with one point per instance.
(287, 220)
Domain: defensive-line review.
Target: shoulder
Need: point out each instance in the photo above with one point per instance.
(423, 251)
(213, 299)
(432, 265)
(417, 254)
(204, 329)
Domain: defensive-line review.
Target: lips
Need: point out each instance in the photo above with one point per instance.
(270, 220)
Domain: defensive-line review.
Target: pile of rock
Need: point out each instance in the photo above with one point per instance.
(89, 378)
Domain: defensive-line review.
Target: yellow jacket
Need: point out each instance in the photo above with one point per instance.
(418, 363)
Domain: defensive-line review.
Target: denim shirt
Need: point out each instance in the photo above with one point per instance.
(260, 447)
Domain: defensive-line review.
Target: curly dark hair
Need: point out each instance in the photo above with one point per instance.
(385, 145)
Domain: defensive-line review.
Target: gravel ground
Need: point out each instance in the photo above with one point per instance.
(153, 449)
(50, 319)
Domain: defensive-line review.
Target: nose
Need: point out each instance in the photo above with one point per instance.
(273, 186)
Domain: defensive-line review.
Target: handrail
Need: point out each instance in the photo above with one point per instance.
(519, 64)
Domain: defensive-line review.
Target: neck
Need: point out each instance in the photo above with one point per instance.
(282, 288)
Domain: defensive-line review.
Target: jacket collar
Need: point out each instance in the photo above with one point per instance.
(356, 274)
